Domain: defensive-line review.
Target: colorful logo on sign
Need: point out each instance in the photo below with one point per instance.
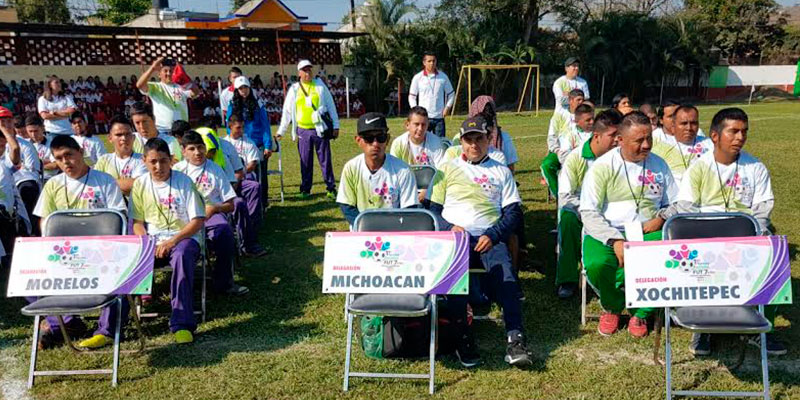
(380, 252)
(686, 260)
(66, 254)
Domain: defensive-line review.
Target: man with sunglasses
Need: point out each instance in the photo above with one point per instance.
(375, 179)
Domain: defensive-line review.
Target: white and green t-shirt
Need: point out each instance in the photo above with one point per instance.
(129, 167)
(166, 207)
(92, 147)
(245, 148)
(570, 140)
(454, 152)
(392, 186)
(210, 180)
(169, 103)
(570, 177)
(716, 187)
(509, 151)
(679, 156)
(174, 146)
(473, 195)
(430, 152)
(561, 123)
(29, 167)
(93, 190)
(563, 85)
(623, 191)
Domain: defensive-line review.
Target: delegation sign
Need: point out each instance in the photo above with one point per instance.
(82, 265)
(708, 272)
(396, 262)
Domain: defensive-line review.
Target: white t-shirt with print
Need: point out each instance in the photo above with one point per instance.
(430, 152)
(167, 207)
(473, 196)
(57, 103)
(716, 187)
(454, 152)
(210, 180)
(234, 163)
(679, 156)
(391, 186)
(175, 149)
(614, 193)
(94, 190)
(563, 85)
(92, 147)
(30, 166)
(46, 156)
(245, 148)
(129, 167)
(169, 103)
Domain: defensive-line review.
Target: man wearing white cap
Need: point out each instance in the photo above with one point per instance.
(305, 106)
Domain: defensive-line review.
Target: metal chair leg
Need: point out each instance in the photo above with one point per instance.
(668, 352)
(764, 363)
(583, 297)
(34, 350)
(137, 321)
(347, 352)
(657, 339)
(432, 354)
(117, 331)
(203, 288)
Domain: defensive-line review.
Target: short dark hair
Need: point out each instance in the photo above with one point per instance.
(427, 53)
(209, 122)
(727, 114)
(607, 119)
(75, 115)
(583, 109)
(142, 108)
(667, 103)
(633, 118)
(158, 145)
(618, 99)
(575, 93)
(19, 121)
(686, 107)
(192, 138)
(179, 128)
(64, 141)
(417, 110)
(236, 69)
(33, 119)
(235, 117)
(119, 119)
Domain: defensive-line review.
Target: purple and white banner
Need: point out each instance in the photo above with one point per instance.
(396, 262)
(82, 265)
(708, 272)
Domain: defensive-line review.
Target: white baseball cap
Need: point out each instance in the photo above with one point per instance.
(304, 63)
(241, 81)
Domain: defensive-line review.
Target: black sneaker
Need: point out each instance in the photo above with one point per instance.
(774, 346)
(236, 290)
(566, 290)
(700, 345)
(467, 351)
(516, 352)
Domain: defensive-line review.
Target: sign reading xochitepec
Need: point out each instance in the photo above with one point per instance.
(84, 265)
(396, 262)
(708, 272)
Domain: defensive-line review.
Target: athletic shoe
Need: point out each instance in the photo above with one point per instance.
(543, 181)
(774, 346)
(700, 345)
(256, 252)
(331, 195)
(304, 196)
(516, 352)
(467, 350)
(566, 290)
(609, 323)
(637, 327)
(96, 342)
(183, 336)
(236, 290)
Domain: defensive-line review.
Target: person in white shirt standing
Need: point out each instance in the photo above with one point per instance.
(431, 89)
(226, 95)
(55, 108)
(169, 99)
(569, 81)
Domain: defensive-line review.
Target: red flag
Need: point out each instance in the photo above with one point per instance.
(179, 76)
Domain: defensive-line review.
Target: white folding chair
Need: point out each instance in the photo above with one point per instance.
(394, 305)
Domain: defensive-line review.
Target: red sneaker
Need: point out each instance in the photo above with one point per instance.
(637, 327)
(608, 323)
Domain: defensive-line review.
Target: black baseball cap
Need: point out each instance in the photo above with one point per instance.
(372, 122)
(571, 60)
(473, 125)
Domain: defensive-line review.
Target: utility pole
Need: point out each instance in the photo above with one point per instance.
(353, 13)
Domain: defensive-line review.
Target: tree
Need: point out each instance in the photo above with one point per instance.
(119, 12)
(43, 11)
(237, 4)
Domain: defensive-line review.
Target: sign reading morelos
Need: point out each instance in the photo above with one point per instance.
(82, 265)
(396, 262)
(708, 272)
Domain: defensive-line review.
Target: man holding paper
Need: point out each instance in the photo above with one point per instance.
(626, 195)
(729, 179)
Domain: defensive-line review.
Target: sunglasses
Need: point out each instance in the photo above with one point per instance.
(381, 138)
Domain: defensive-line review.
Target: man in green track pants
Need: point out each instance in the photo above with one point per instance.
(604, 138)
(561, 123)
(627, 193)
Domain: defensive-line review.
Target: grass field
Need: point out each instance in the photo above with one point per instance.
(286, 340)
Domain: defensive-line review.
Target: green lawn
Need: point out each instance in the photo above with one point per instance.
(286, 339)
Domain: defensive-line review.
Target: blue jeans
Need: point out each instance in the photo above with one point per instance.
(436, 126)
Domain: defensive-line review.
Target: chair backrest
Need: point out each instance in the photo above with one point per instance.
(395, 220)
(424, 175)
(708, 225)
(99, 222)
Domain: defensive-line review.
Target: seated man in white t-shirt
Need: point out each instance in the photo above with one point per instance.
(477, 195)
(92, 147)
(375, 179)
(580, 131)
(684, 145)
(123, 164)
(728, 179)
(145, 124)
(417, 146)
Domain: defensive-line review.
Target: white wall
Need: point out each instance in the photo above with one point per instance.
(761, 75)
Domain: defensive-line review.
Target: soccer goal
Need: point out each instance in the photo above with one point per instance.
(510, 85)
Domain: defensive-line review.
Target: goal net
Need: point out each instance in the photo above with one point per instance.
(515, 88)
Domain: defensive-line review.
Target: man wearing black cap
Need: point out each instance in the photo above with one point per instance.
(375, 179)
(478, 195)
(569, 81)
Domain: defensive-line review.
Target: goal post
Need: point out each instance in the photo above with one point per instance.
(465, 79)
